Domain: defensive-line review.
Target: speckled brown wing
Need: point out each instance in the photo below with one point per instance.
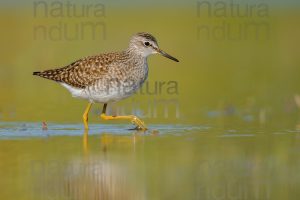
(81, 73)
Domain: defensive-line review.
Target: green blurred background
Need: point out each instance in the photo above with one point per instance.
(239, 61)
(235, 90)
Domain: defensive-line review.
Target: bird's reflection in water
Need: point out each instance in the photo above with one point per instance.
(107, 139)
(109, 172)
(85, 141)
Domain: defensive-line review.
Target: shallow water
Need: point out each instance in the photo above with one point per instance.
(167, 162)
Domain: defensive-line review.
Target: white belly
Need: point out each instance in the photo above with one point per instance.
(100, 96)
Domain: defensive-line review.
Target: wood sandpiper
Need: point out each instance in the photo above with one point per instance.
(109, 77)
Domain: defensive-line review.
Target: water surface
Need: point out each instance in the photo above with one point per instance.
(167, 162)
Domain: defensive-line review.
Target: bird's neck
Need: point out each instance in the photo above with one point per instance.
(135, 51)
(135, 56)
(136, 64)
(135, 60)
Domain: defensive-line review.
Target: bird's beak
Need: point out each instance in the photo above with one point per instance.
(166, 55)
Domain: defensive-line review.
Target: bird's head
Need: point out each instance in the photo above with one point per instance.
(145, 44)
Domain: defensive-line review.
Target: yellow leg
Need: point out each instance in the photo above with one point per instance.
(139, 123)
(86, 116)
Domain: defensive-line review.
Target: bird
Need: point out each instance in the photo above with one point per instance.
(109, 77)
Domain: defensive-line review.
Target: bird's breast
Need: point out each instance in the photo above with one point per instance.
(118, 85)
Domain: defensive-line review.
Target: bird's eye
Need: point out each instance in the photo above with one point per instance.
(147, 43)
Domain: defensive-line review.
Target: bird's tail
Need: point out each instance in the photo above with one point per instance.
(36, 73)
(53, 74)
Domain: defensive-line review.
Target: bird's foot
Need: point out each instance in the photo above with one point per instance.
(134, 120)
(140, 125)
